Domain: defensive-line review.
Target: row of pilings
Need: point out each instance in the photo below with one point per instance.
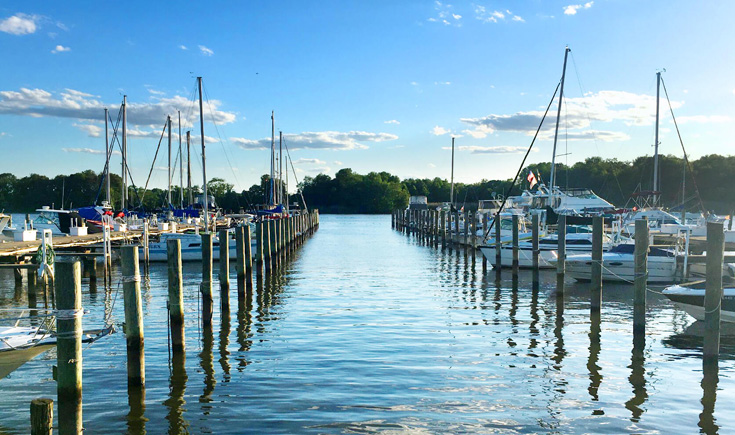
(276, 240)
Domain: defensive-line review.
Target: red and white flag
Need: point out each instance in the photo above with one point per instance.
(531, 179)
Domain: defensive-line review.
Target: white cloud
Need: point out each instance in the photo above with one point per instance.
(572, 9)
(337, 162)
(603, 106)
(206, 51)
(19, 24)
(490, 150)
(431, 165)
(445, 15)
(414, 84)
(87, 151)
(487, 16)
(183, 47)
(80, 105)
(443, 83)
(392, 121)
(91, 129)
(438, 131)
(304, 161)
(334, 140)
(60, 49)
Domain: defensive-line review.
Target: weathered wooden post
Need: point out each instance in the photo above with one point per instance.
(224, 270)
(534, 243)
(175, 295)
(69, 345)
(267, 245)
(473, 236)
(240, 259)
(598, 226)
(146, 237)
(247, 242)
(443, 230)
(484, 241)
(640, 277)
(498, 246)
(134, 335)
(42, 416)
(713, 292)
(561, 232)
(466, 228)
(516, 247)
(260, 249)
(206, 285)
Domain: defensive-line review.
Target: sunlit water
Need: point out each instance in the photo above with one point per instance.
(367, 330)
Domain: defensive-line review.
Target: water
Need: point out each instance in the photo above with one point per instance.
(369, 331)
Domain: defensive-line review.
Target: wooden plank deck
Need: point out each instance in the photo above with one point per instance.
(16, 249)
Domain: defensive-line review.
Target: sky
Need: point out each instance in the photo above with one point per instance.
(369, 85)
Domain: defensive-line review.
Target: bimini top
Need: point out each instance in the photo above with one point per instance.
(629, 248)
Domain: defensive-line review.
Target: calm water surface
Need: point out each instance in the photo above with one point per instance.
(367, 330)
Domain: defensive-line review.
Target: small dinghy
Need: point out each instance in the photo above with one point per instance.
(691, 300)
(20, 344)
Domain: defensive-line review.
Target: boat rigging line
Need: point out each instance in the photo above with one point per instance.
(686, 159)
(523, 162)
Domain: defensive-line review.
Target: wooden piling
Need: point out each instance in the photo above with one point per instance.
(598, 224)
(69, 345)
(175, 295)
(259, 251)
(713, 291)
(247, 241)
(534, 242)
(466, 228)
(240, 254)
(498, 246)
(206, 285)
(561, 251)
(484, 241)
(146, 237)
(267, 245)
(443, 224)
(42, 416)
(516, 247)
(640, 277)
(224, 270)
(134, 335)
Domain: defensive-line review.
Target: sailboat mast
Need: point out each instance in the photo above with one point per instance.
(272, 191)
(655, 146)
(280, 167)
(286, 187)
(124, 152)
(181, 168)
(107, 163)
(451, 188)
(552, 179)
(168, 123)
(188, 167)
(204, 158)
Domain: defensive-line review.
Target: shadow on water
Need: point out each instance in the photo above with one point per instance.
(244, 329)
(207, 363)
(637, 378)
(710, 379)
(136, 416)
(594, 357)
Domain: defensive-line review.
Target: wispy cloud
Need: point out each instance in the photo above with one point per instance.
(334, 140)
(490, 150)
(337, 162)
(183, 47)
(392, 121)
(443, 83)
(206, 51)
(572, 9)
(87, 151)
(304, 161)
(445, 15)
(431, 165)
(83, 106)
(91, 129)
(439, 131)
(494, 16)
(604, 106)
(19, 24)
(60, 49)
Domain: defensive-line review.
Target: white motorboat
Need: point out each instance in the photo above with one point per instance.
(691, 300)
(618, 264)
(20, 344)
(191, 247)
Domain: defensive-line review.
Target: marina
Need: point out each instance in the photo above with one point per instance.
(433, 343)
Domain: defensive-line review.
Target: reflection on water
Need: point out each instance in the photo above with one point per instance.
(366, 330)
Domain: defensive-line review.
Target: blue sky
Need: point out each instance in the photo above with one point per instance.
(370, 85)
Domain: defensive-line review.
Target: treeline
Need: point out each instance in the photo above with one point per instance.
(381, 192)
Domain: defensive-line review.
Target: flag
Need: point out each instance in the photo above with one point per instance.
(531, 179)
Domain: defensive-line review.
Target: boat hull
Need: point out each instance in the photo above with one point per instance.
(692, 301)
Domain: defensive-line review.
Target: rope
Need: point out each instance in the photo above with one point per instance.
(131, 278)
(69, 314)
